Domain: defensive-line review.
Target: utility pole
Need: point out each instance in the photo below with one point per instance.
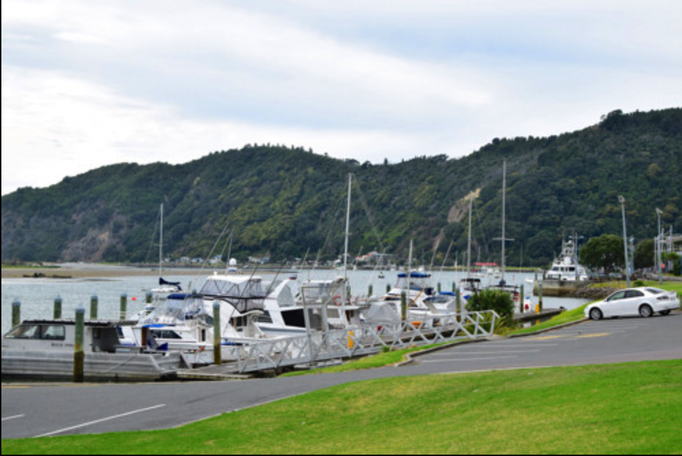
(621, 200)
(658, 248)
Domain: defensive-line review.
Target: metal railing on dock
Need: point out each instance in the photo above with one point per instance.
(319, 347)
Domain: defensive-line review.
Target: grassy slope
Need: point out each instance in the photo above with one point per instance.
(622, 408)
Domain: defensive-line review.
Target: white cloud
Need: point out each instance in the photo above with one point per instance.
(90, 83)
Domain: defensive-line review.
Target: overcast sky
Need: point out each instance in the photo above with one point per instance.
(87, 83)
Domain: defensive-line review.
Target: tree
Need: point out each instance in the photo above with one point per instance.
(644, 254)
(603, 252)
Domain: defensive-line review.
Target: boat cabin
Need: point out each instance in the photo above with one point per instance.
(60, 335)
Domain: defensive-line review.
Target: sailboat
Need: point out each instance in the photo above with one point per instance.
(165, 286)
(502, 285)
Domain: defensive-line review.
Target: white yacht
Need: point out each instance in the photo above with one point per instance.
(566, 268)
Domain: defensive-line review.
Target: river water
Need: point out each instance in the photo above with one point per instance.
(37, 295)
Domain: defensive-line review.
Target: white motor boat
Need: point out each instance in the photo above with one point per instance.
(566, 268)
(44, 349)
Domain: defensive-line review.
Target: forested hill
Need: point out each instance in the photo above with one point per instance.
(285, 201)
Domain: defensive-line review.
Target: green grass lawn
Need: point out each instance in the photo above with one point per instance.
(633, 408)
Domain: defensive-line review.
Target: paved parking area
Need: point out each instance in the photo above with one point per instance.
(590, 342)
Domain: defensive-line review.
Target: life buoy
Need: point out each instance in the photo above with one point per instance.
(337, 300)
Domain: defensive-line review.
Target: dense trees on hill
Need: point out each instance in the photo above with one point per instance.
(287, 201)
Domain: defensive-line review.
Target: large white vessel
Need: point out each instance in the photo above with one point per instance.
(566, 268)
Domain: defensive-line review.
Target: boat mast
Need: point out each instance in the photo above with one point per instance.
(345, 253)
(471, 202)
(504, 190)
(160, 238)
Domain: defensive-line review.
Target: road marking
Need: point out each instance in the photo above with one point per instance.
(482, 352)
(586, 336)
(519, 344)
(102, 420)
(12, 418)
(546, 337)
(447, 360)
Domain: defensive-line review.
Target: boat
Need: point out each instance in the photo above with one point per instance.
(44, 349)
(165, 287)
(566, 268)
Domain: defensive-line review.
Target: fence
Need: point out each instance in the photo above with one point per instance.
(317, 347)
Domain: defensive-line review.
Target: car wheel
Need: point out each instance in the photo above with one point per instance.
(646, 311)
(664, 312)
(595, 314)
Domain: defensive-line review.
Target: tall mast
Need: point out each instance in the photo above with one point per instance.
(504, 193)
(345, 253)
(471, 202)
(160, 239)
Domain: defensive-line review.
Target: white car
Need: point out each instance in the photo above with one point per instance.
(644, 301)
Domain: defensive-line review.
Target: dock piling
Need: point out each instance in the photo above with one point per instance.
(403, 305)
(78, 353)
(16, 313)
(94, 304)
(57, 310)
(124, 306)
(217, 357)
(522, 298)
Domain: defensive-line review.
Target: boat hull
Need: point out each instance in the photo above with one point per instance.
(44, 365)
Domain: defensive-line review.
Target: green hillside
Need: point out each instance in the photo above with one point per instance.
(284, 201)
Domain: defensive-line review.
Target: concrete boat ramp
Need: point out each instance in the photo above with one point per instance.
(213, 372)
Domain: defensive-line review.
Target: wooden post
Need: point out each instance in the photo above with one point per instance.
(458, 304)
(78, 353)
(370, 290)
(522, 298)
(148, 297)
(124, 306)
(57, 311)
(540, 295)
(439, 287)
(217, 357)
(16, 313)
(403, 306)
(388, 287)
(94, 305)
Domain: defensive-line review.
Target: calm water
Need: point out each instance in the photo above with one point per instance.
(37, 295)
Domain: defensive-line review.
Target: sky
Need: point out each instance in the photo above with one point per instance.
(87, 83)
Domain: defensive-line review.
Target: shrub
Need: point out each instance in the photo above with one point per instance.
(497, 300)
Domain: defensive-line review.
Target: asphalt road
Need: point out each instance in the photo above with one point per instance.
(45, 410)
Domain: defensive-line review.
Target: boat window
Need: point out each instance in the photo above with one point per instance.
(24, 332)
(265, 318)
(165, 334)
(53, 332)
(239, 322)
(44, 332)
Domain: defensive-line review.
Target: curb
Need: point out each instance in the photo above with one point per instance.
(541, 331)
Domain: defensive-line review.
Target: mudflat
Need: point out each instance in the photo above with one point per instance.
(81, 270)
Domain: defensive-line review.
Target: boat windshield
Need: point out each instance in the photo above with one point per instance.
(42, 332)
